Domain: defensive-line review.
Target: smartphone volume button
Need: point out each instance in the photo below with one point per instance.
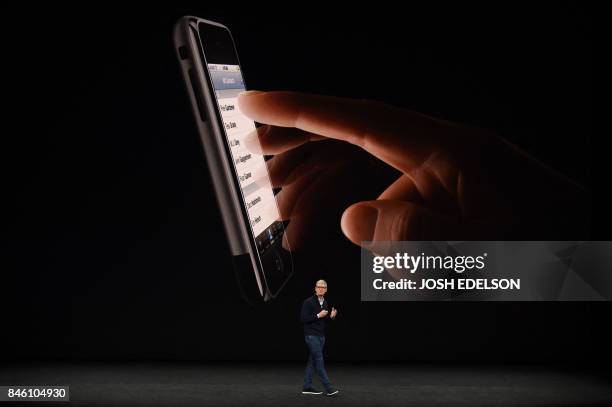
(182, 50)
(197, 95)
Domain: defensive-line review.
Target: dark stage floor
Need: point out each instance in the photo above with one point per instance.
(166, 384)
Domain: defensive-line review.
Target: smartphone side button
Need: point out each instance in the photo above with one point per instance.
(197, 96)
(182, 50)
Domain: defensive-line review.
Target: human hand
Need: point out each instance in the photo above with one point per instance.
(323, 313)
(455, 182)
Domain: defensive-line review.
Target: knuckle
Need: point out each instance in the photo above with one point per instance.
(405, 225)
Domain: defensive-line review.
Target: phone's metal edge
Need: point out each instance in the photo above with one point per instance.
(218, 165)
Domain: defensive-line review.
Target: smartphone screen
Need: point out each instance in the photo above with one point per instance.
(250, 169)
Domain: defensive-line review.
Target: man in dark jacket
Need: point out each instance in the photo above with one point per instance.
(315, 314)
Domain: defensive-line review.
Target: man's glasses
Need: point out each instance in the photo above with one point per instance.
(320, 286)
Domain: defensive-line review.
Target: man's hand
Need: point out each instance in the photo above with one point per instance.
(334, 313)
(322, 314)
(455, 182)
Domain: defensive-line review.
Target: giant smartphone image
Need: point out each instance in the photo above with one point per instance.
(246, 198)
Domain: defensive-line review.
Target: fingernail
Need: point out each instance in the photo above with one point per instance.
(359, 222)
(251, 140)
(250, 92)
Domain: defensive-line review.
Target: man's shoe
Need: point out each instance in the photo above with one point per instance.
(310, 390)
(331, 392)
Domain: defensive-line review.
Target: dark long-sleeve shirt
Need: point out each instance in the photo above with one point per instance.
(314, 325)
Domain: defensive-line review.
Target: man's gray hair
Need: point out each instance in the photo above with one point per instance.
(321, 282)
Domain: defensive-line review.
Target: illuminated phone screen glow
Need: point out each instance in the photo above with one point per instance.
(257, 192)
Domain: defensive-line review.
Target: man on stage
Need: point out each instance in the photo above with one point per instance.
(315, 314)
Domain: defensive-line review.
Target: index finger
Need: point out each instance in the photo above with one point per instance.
(399, 137)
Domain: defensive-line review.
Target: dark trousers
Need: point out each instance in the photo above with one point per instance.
(315, 361)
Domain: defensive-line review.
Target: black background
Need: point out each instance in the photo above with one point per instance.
(112, 243)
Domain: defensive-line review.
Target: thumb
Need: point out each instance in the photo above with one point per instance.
(388, 220)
